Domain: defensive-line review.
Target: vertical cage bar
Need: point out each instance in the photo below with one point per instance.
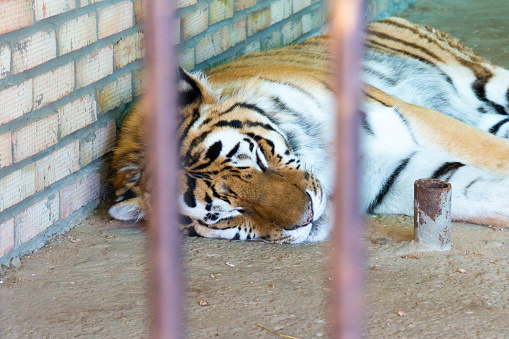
(347, 298)
(165, 237)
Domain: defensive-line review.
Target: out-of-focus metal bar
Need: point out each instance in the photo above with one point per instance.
(165, 244)
(347, 255)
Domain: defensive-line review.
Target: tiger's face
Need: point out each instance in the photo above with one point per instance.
(239, 177)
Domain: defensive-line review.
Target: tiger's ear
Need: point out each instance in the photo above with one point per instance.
(127, 210)
(191, 90)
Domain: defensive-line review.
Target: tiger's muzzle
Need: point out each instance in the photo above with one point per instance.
(273, 199)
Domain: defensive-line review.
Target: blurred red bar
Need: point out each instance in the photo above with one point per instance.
(347, 254)
(165, 242)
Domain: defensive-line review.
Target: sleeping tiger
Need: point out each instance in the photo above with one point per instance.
(256, 135)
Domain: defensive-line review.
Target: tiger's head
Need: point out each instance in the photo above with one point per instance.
(239, 178)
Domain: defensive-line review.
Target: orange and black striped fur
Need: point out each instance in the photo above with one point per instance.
(255, 137)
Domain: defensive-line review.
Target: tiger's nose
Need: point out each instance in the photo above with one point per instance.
(307, 217)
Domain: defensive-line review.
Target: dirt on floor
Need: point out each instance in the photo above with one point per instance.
(93, 281)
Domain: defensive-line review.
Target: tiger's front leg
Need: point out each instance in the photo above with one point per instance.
(403, 143)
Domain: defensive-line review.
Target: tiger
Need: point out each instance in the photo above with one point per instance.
(256, 137)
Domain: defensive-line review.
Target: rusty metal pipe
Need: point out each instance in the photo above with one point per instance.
(432, 214)
(347, 281)
(165, 238)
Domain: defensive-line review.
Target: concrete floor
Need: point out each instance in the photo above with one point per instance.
(93, 281)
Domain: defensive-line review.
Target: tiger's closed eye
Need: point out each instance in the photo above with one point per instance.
(243, 157)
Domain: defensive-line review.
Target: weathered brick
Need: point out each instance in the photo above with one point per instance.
(98, 143)
(84, 3)
(128, 49)
(57, 165)
(140, 11)
(178, 31)
(94, 66)
(6, 236)
(36, 219)
(241, 5)
(252, 47)
(46, 8)
(213, 44)
(116, 18)
(77, 33)
(238, 31)
(291, 31)
(221, 40)
(325, 17)
(280, 10)
(17, 186)
(311, 21)
(5, 61)
(195, 23)
(257, 21)
(15, 101)
(185, 3)
(271, 41)
(33, 50)
(116, 93)
(15, 14)
(186, 58)
(139, 79)
(77, 114)
(299, 5)
(53, 85)
(220, 10)
(5, 150)
(35, 137)
(79, 194)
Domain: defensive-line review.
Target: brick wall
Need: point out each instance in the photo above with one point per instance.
(66, 69)
(214, 31)
(380, 9)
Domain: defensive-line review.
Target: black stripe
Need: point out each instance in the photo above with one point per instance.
(244, 105)
(469, 185)
(365, 123)
(448, 167)
(379, 75)
(191, 232)
(189, 195)
(413, 56)
(280, 105)
(387, 185)
(188, 159)
(214, 151)
(294, 87)
(495, 128)
(376, 99)
(479, 88)
(233, 150)
(406, 124)
(404, 42)
(194, 117)
(237, 124)
(184, 219)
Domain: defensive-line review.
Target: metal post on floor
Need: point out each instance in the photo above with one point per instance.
(166, 288)
(347, 255)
